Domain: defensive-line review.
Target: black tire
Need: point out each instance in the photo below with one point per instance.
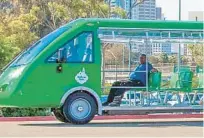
(60, 116)
(71, 112)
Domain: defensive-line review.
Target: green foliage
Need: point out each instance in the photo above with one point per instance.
(20, 112)
(107, 91)
(164, 58)
(173, 59)
(197, 53)
(15, 35)
(153, 59)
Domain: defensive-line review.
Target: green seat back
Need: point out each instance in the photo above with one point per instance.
(199, 69)
(173, 80)
(200, 80)
(182, 81)
(182, 69)
(155, 81)
(186, 79)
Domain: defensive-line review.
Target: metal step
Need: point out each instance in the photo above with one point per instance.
(131, 110)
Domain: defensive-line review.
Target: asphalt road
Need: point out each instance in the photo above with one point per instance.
(106, 128)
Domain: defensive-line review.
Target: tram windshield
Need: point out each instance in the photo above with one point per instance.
(30, 53)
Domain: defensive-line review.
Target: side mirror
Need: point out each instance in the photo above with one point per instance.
(61, 55)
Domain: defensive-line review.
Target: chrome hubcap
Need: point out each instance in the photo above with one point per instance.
(80, 108)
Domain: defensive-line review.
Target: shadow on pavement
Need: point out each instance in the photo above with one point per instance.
(122, 124)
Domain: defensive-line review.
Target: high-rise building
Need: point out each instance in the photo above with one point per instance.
(187, 51)
(143, 11)
(158, 48)
(116, 3)
(158, 13)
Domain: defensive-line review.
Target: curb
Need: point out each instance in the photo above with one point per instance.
(156, 116)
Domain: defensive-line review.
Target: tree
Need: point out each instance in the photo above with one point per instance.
(24, 21)
(50, 14)
(197, 53)
(114, 54)
(173, 59)
(184, 59)
(153, 59)
(15, 35)
(163, 58)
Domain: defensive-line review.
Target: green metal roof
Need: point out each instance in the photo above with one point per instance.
(155, 24)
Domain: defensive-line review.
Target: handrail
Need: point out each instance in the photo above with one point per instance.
(148, 29)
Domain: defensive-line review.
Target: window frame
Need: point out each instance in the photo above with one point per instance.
(75, 36)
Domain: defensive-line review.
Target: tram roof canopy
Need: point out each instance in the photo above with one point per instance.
(153, 24)
(154, 31)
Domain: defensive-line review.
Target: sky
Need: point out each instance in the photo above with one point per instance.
(170, 8)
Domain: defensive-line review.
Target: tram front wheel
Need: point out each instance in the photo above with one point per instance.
(80, 108)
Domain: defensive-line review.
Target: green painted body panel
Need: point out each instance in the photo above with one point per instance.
(37, 84)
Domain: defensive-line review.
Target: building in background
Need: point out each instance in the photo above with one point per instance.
(187, 51)
(159, 13)
(116, 3)
(158, 48)
(148, 11)
(195, 15)
(143, 11)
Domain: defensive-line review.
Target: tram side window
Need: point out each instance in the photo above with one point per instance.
(78, 50)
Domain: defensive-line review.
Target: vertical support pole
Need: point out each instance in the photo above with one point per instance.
(123, 57)
(135, 98)
(179, 57)
(130, 49)
(103, 63)
(129, 97)
(194, 98)
(116, 72)
(189, 98)
(146, 47)
(178, 98)
(166, 97)
(142, 98)
(159, 97)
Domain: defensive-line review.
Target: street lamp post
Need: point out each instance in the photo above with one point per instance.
(130, 10)
(179, 10)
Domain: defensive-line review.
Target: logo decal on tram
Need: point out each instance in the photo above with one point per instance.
(81, 77)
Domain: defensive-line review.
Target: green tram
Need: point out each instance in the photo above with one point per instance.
(65, 70)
